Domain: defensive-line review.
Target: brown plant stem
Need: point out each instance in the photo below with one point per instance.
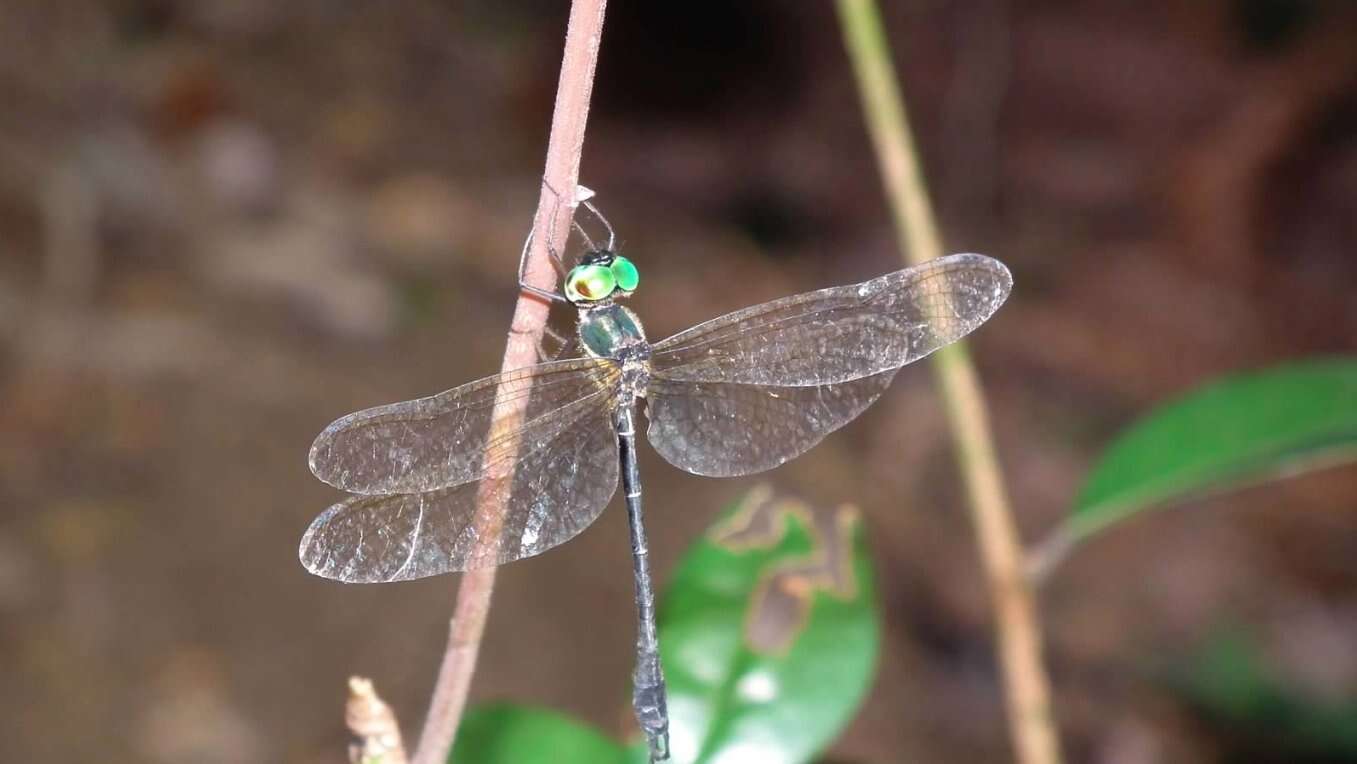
(1026, 685)
(565, 146)
(377, 735)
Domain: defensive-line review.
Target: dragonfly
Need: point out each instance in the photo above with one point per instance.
(736, 395)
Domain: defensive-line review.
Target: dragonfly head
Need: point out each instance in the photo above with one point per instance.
(601, 275)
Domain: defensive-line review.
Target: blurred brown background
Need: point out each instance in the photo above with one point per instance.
(224, 224)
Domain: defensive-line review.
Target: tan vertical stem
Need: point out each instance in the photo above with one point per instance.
(1019, 631)
(552, 223)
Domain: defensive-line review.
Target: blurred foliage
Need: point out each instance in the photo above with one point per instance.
(507, 734)
(769, 634)
(1230, 684)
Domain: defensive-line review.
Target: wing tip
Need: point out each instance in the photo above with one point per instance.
(314, 461)
(310, 552)
(320, 559)
(315, 456)
(1002, 275)
(983, 261)
(340, 560)
(321, 457)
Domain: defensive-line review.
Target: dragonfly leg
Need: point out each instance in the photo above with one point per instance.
(547, 294)
(588, 241)
(565, 344)
(582, 196)
(648, 697)
(612, 237)
(557, 261)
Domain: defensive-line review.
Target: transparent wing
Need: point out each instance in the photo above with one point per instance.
(842, 333)
(559, 487)
(446, 440)
(750, 390)
(724, 429)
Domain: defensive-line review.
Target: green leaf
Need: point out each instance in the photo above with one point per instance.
(768, 633)
(1289, 419)
(509, 734)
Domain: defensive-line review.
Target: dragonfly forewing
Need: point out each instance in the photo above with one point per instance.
(452, 438)
(842, 333)
(753, 389)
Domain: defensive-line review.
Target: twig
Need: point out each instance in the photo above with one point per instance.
(1026, 684)
(552, 223)
(377, 736)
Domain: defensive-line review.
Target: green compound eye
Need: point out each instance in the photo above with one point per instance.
(586, 283)
(625, 274)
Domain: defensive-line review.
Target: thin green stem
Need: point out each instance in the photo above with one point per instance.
(1027, 688)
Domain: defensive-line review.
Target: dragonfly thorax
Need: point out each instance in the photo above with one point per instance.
(611, 331)
(608, 330)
